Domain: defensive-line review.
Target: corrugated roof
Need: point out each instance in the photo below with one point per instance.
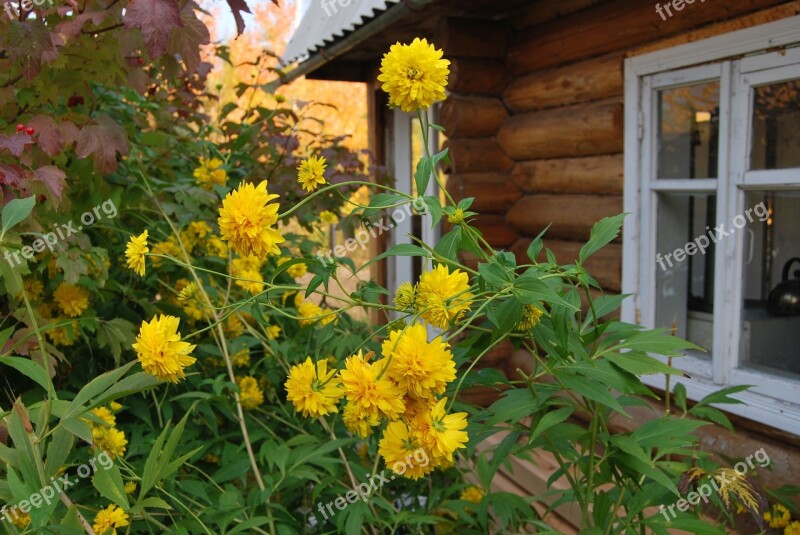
(326, 21)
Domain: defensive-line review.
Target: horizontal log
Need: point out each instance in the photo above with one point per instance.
(493, 192)
(635, 22)
(571, 216)
(458, 37)
(478, 76)
(586, 81)
(593, 174)
(477, 155)
(543, 11)
(496, 230)
(605, 265)
(583, 130)
(472, 116)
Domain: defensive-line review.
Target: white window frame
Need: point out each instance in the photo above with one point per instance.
(738, 60)
(399, 268)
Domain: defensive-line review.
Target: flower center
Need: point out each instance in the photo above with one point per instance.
(414, 73)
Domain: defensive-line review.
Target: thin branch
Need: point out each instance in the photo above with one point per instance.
(103, 30)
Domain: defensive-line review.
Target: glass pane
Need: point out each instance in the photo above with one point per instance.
(684, 269)
(771, 319)
(688, 131)
(776, 138)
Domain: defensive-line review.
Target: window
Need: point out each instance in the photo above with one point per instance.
(712, 180)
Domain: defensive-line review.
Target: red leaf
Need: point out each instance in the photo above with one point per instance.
(187, 41)
(156, 19)
(237, 6)
(52, 177)
(51, 140)
(103, 141)
(70, 29)
(10, 175)
(15, 144)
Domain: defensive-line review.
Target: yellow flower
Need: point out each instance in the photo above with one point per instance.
(472, 494)
(105, 414)
(443, 296)
(187, 292)
(326, 216)
(310, 173)
(405, 296)
(441, 433)
(114, 406)
(193, 308)
(414, 75)
(20, 519)
(530, 318)
(72, 300)
(246, 221)
(456, 217)
(357, 421)
(210, 173)
(250, 394)
(296, 271)
(314, 391)
(33, 289)
(109, 519)
(402, 453)
(211, 458)
(248, 272)
(135, 252)
(216, 247)
(110, 440)
(310, 312)
(167, 248)
(64, 335)
(778, 517)
(130, 487)
(792, 529)
(161, 351)
(273, 332)
(373, 397)
(241, 359)
(419, 367)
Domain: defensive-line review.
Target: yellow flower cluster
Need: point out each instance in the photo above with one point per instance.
(108, 520)
(247, 272)
(107, 437)
(440, 296)
(250, 393)
(135, 252)
(402, 388)
(792, 529)
(160, 350)
(71, 300)
(210, 173)
(246, 221)
(311, 173)
(414, 75)
(778, 516)
(295, 271)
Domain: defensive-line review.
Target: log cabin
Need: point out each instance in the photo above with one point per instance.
(681, 113)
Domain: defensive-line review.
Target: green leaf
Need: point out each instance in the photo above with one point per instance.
(108, 481)
(549, 420)
(29, 369)
(495, 275)
(666, 432)
(96, 386)
(723, 396)
(711, 414)
(151, 503)
(536, 245)
(434, 208)
(449, 245)
(680, 396)
(401, 249)
(603, 233)
(640, 364)
(591, 389)
(15, 212)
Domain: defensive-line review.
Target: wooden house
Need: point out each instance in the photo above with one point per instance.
(683, 113)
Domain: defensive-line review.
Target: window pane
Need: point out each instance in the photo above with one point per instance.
(688, 131)
(771, 333)
(684, 272)
(776, 138)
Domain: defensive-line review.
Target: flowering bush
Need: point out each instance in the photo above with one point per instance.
(200, 343)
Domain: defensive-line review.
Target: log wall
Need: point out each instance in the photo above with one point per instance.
(535, 117)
